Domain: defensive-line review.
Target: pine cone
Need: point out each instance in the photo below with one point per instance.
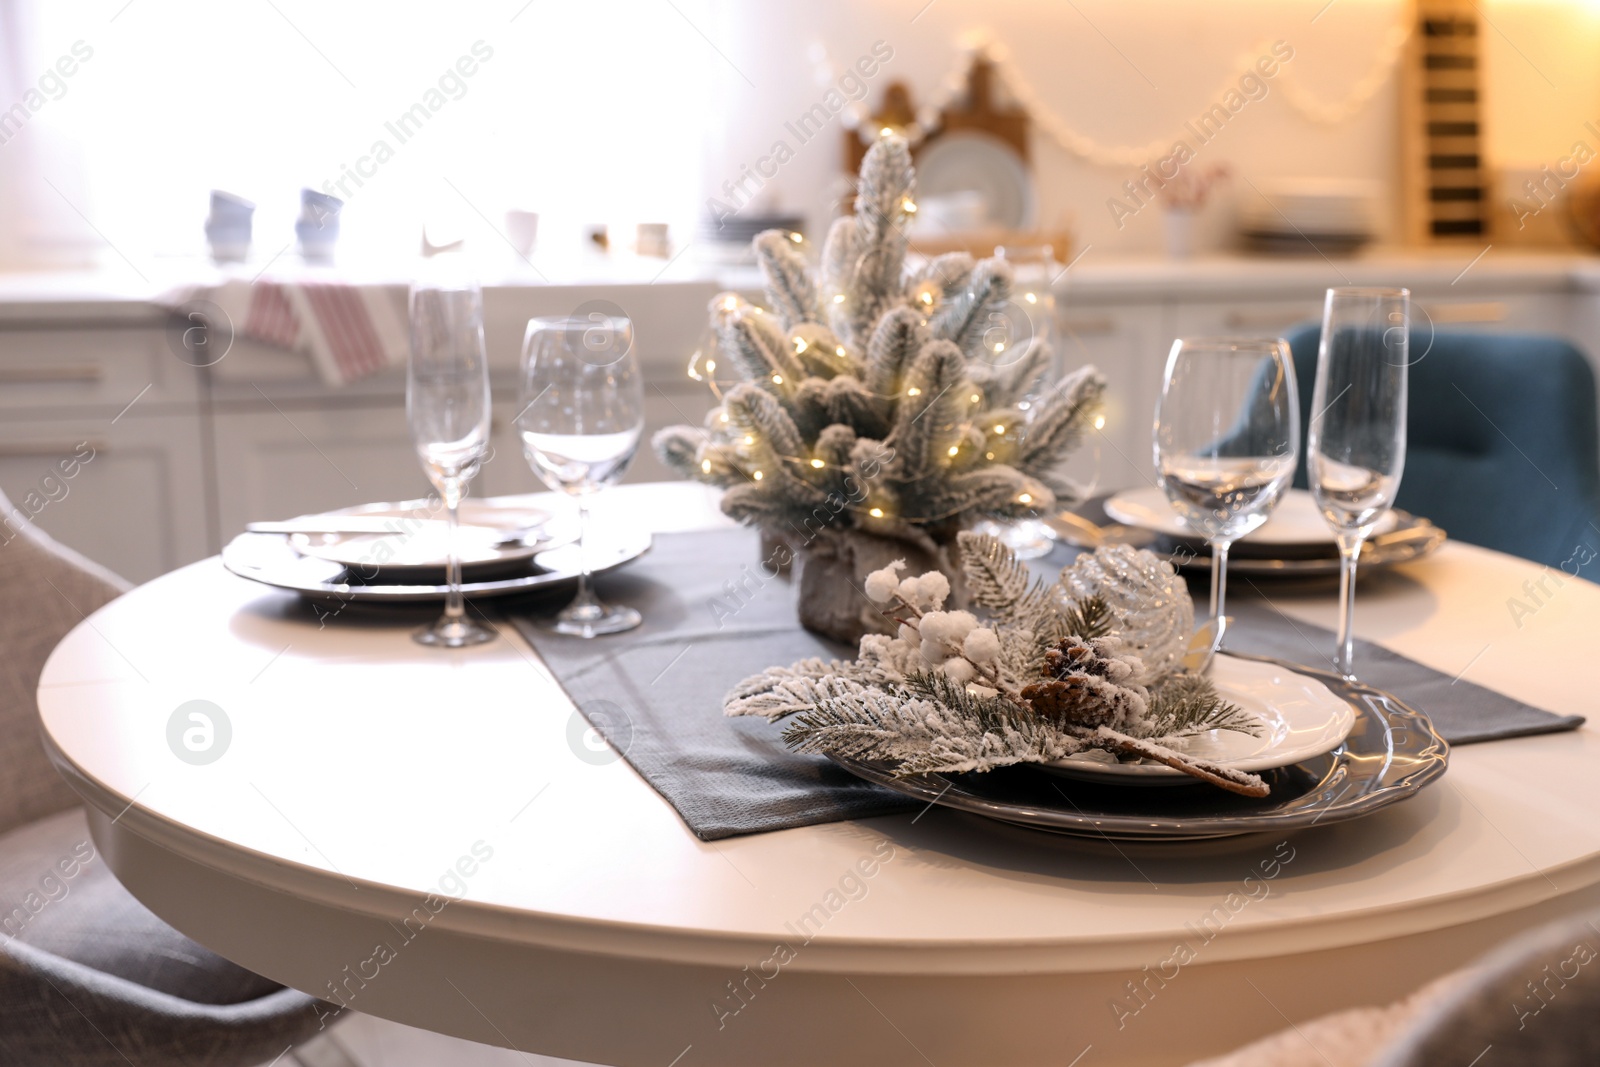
(1083, 687)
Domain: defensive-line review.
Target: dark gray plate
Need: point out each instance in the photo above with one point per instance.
(268, 558)
(1392, 752)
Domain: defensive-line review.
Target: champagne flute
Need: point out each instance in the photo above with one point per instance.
(1227, 436)
(1357, 447)
(581, 416)
(447, 406)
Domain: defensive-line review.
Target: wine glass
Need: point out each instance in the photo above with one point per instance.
(1227, 436)
(1357, 447)
(1025, 325)
(447, 406)
(581, 417)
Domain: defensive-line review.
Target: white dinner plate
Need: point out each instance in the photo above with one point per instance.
(422, 547)
(1300, 718)
(1295, 521)
(970, 161)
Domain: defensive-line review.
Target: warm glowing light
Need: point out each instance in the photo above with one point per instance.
(839, 351)
(730, 303)
(724, 416)
(1030, 298)
(1099, 422)
(976, 398)
(777, 379)
(908, 205)
(749, 439)
(926, 297)
(876, 513)
(999, 346)
(705, 465)
(988, 455)
(955, 449)
(838, 298)
(913, 391)
(756, 476)
(817, 463)
(999, 428)
(796, 238)
(1025, 498)
(885, 132)
(799, 345)
(711, 366)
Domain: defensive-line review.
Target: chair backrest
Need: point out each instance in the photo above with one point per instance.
(45, 590)
(1502, 446)
(1533, 1000)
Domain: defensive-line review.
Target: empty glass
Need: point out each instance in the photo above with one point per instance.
(1026, 323)
(581, 416)
(1227, 436)
(1357, 445)
(447, 406)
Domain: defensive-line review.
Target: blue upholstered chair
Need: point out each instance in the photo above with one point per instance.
(1502, 445)
(88, 975)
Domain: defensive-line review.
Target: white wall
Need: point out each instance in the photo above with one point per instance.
(1127, 72)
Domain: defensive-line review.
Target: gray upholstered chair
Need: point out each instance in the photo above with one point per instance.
(88, 975)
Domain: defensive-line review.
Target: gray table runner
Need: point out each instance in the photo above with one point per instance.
(713, 616)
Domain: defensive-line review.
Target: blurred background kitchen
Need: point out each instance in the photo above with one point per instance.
(208, 213)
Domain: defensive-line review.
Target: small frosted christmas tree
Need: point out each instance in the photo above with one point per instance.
(884, 410)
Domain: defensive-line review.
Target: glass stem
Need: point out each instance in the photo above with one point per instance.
(454, 608)
(585, 597)
(1349, 552)
(1219, 579)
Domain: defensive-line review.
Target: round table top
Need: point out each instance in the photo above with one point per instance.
(361, 769)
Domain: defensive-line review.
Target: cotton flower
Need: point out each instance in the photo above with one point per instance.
(933, 587)
(958, 671)
(982, 645)
(948, 627)
(881, 583)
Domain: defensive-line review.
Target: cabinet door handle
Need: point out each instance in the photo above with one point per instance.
(13, 449)
(1488, 311)
(1098, 326)
(39, 375)
(1266, 320)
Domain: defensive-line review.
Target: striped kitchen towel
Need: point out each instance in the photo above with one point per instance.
(350, 330)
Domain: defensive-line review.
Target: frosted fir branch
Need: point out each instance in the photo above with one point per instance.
(1189, 704)
(839, 254)
(965, 317)
(927, 422)
(850, 402)
(883, 206)
(679, 448)
(790, 291)
(1061, 419)
(820, 352)
(779, 692)
(894, 344)
(950, 272)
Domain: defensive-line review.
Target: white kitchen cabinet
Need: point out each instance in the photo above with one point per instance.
(274, 462)
(1128, 343)
(138, 504)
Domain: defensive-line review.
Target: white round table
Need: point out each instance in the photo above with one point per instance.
(369, 782)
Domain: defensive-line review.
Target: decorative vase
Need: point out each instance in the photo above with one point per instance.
(834, 569)
(1179, 225)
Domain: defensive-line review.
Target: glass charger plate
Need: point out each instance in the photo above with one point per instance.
(1392, 752)
(269, 559)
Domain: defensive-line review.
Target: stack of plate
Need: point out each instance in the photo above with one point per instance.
(1330, 749)
(1294, 542)
(1308, 216)
(729, 237)
(396, 552)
